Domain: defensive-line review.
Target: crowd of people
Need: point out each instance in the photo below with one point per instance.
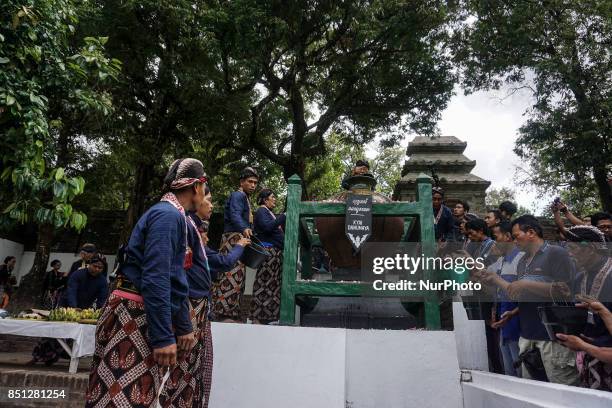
(169, 284)
(526, 273)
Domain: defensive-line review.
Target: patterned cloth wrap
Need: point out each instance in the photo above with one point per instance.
(123, 372)
(228, 289)
(186, 386)
(265, 305)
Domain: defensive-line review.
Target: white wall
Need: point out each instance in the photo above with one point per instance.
(487, 390)
(393, 368)
(278, 366)
(275, 366)
(471, 340)
(25, 259)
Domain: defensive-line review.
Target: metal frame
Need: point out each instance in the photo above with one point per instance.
(297, 210)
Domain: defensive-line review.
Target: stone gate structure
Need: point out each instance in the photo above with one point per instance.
(444, 155)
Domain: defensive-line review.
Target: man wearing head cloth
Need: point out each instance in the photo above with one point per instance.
(238, 223)
(362, 167)
(587, 245)
(146, 325)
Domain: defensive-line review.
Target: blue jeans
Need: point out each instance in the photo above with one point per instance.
(510, 353)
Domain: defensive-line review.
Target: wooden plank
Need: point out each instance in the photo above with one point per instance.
(290, 252)
(428, 241)
(335, 288)
(312, 209)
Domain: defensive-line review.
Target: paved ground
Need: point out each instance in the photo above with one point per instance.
(17, 375)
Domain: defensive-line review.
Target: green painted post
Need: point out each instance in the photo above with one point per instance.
(290, 253)
(428, 242)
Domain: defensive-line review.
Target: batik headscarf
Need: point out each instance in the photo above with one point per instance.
(184, 173)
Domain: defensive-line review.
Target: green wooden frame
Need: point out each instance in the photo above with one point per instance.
(297, 210)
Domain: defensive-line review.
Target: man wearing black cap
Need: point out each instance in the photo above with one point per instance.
(87, 252)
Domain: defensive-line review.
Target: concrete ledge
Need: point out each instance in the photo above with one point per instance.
(487, 390)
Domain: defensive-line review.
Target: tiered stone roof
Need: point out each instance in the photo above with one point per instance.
(445, 155)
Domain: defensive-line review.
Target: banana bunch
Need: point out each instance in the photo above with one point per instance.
(65, 314)
(90, 314)
(31, 316)
(69, 314)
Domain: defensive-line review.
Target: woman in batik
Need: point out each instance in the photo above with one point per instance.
(207, 263)
(146, 325)
(238, 224)
(265, 304)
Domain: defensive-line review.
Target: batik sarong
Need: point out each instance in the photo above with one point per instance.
(123, 372)
(208, 363)
(185, 386)
(596, 374)
(229, 287)
(265, 304)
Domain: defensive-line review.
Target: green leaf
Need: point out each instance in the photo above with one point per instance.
(4, 60)
(9, 208)
(59, 173)
(59, 190)
(10, 99)
(6, 173)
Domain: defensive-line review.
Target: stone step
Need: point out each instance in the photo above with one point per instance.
(73, 387)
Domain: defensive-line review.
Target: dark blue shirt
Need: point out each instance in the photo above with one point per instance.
(155, 256)
(268, 229)
(446, 223)
(236, 214)
(551, 263)
(84, 289)
(219, 263)
(198, 275)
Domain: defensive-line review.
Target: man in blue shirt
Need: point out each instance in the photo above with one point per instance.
(543, 273)
(238, 224)
(86, 286)
(501, 273)
(145, 325)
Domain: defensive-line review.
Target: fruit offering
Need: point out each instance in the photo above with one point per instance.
(69, 314)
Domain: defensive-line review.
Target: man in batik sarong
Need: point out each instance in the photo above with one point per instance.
(146, 323)
(238, 224)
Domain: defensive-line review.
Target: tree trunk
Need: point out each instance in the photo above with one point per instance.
(603, 187)
(297, 166)
(142, 182)
(30, 288)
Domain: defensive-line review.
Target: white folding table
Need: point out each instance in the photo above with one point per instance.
(84, 335)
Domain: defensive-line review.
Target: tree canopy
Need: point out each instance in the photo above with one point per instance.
(46, 75)
(560, 50)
